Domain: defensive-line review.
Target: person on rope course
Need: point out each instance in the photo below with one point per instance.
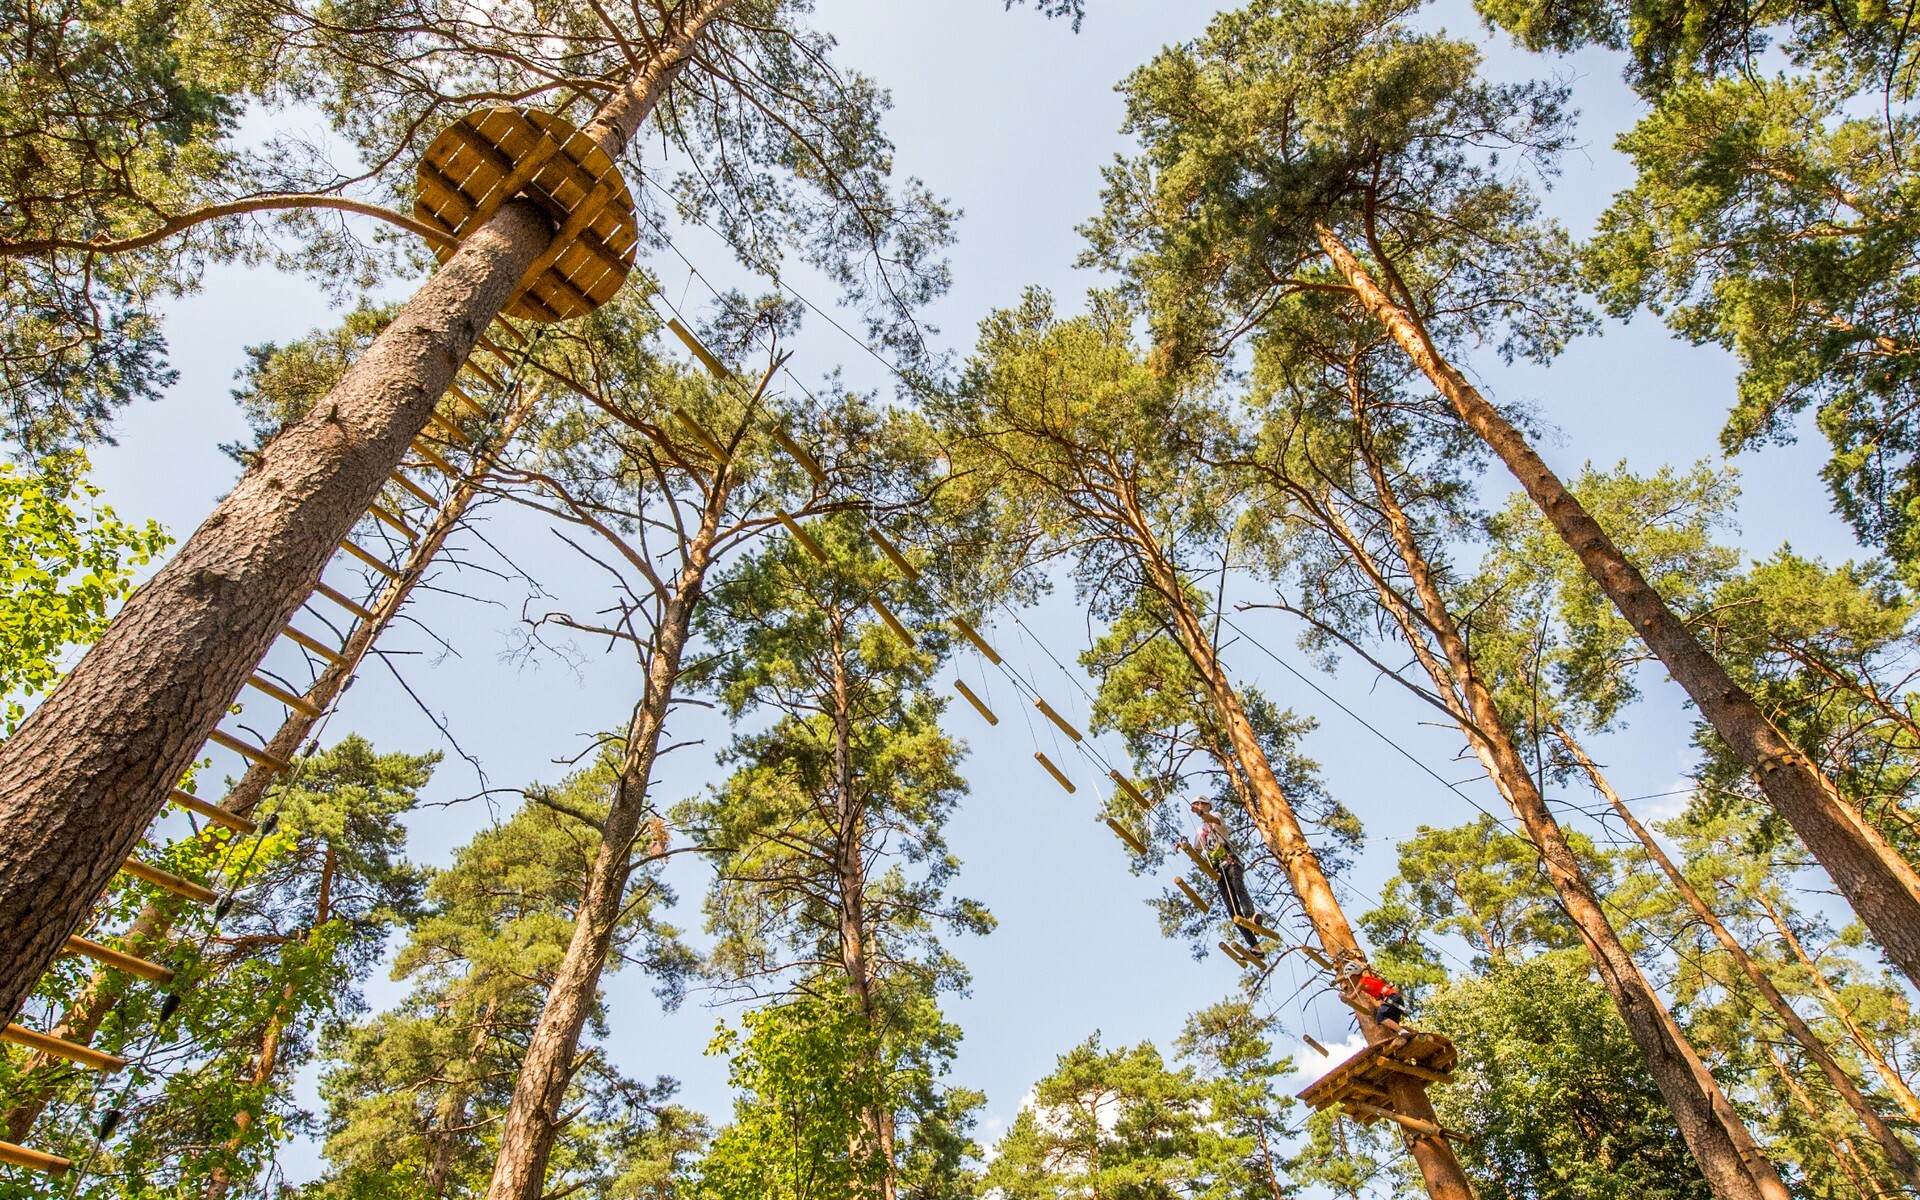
(1230, 874)
(1363, 987)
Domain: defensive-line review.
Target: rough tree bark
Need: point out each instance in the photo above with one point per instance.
(1278, 824)
(1898, 1156)
(91, 767)
(1883, 888)
(81, 1020)
(1729, 1157)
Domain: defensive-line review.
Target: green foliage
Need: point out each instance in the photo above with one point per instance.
(1553, 1090)
(415, 1094)
(65, 559)
(1111, 1123)
(1289, 115)
(212, 1092)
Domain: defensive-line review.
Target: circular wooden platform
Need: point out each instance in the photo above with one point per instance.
(493, 155)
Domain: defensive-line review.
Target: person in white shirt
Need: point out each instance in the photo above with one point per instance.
(1216, 847)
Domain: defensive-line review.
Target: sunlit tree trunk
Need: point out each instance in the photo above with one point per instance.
(1729, 1156)
(1882, 887)
(91, 767)
(1899, 1157)
(1278, 824)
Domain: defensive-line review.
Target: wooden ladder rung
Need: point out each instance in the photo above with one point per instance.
(358, 610)
(893, 554)
(314, 644)
(34, 1160)
(119, 960)
(86, 1056)
(370, 559)
(168, 881)
(453, 432)
(415, 490)
(212, 812)
(392, 520)
(297, 703)
(434, 460)
(251, 753)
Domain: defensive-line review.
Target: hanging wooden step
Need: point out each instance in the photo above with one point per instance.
(1059, 776)
(395, 522)
(169, 882)
(1194, 898)
(434, 460)
(1200, 861)
(1066, 727)
(979, 705)
(494, 155)
(212, 812)
(298, 703)
(1124, 834)
(119, 960)
(34, 1160)
(893, 554)
(370, 559)
(1132, 790)
(973, 635)
(1252, 925)
(413, 489)
(1367, 1075)
(892, 622)
(798, 453)
(801, 536)
(314, 644)
(73, 1052)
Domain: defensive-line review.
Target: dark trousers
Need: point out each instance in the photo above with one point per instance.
(1233, 892)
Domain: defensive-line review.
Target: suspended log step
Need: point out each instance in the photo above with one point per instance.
(212, 812)
(979, 705)
(973, 635)
(1059, 776)
(1194, 898)
(34, 1160)
(1132, 790)
(1252, 925)
(892, 622)
(119, 960)
(1366, 1114)
(298, 703)
(893, 554)
(798, 453)
(1124, 834)
(253, 754)
(1047, 711)
(1368, 1074)
(699, 434)
(1200, 861)
(698, 350)
(73, 1052)
(169, 882)
(801, 536)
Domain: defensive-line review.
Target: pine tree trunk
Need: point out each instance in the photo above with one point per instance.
(1856, 1171)
(1898, 1156)
(91, 767)
(1273, 814)
(1883, 888)
(1729, 1157)
(851, 881)
(148, 933)
(1862, 1040)
(526, 1138)
(451, 1112)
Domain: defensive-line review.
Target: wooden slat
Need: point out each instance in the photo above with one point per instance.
(358, 610)
(119, 960)
(251, 753)
(314, 644)
(700, 435)
(34, 1160)
(298, 703)
(415, 490)
(168, 881)
(960, 685)
(370, 559)
(465, 401)
(972, 635)
(86, 1056)
(454, 432)
(212, 812)
(1233, 952)
(1059, 776)
(693, 345)
(1317, 1047)
(1066, 727)
(1254, 926)
(1415, 1070)
(434, 460)
(891, 622)
(801, 536)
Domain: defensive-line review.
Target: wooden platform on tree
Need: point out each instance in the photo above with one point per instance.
(494, 155)
(1365, 1077)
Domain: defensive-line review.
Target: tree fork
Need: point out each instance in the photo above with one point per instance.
(90, 768)
(1883, 888)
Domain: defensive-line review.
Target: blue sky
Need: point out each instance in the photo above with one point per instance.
(1011, 118)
